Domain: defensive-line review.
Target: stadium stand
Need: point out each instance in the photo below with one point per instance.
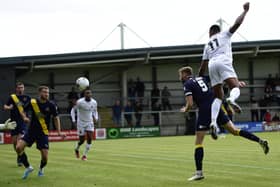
(109, 71)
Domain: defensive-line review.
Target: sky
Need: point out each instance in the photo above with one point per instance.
(36, 27)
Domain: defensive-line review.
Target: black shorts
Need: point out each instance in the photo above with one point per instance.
(42, 140)
(21, 128)
(204, 119)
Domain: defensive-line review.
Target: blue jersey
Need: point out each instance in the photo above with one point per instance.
(15, 115)
(201, 93)
(203, 97)
(47, 109)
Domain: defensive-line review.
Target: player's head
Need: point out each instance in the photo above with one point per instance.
(87, 94)
(214, 29)
(185, 73)
(19, 88)
(44, 92)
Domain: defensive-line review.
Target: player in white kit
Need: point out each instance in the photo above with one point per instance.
(217, 55)
(87, 116)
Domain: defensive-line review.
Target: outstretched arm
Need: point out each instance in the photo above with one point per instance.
(8, 125)
(240, 18)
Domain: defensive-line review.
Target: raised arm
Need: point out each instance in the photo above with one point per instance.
(240, 18)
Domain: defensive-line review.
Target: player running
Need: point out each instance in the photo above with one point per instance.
(218, 55)
(87, 116)
(196, 90)
(41, 110)
(17, 103)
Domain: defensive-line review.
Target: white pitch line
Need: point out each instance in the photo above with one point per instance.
(188, 160)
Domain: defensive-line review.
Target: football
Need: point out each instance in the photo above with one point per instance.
(82, 83)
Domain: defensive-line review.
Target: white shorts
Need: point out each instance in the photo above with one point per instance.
(83, 127)
(220, 69)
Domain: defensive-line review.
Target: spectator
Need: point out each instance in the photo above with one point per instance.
(72, 99)
(155, 94)
(276, 118)
(263, 103)
(156, 108)
(277, 88)
(128, 117)
(165, 94)
(140, 89)
(269, 81)
(277, 94)
(267, 117)
(254, 110)
(138, 115)
(73, 125)
(268, 93)
(117, 113)
(131, 90)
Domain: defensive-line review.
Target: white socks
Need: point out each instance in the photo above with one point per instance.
(234, 94)
(215, 109)
(87, 149)
(216, 105)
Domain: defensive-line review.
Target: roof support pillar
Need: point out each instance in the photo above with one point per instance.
(124, 85)
(251, 76)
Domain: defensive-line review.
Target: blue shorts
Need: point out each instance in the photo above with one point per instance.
(42, 140)
(21, 128)
(204, 118)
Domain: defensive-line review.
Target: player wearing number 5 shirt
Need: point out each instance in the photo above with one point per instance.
(196, 91)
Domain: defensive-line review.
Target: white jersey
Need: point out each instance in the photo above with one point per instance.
(86, 110)
(219, 46)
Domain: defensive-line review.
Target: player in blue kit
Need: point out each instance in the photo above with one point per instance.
(196, 90)
(17, 103)
(39, 115)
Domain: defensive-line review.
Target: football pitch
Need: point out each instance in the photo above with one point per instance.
(148, 162)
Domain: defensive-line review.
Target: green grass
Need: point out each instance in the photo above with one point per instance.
(164, 161)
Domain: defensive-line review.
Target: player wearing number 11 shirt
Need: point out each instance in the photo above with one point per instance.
(218, 56)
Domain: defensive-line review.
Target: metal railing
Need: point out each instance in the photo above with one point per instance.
(168, 117)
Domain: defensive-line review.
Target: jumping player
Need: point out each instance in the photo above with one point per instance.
(218, 56)
(41, 110)
(87, 116)
(196, 90)
(17, 103)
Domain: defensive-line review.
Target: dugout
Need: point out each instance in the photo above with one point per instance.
(109, 71)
